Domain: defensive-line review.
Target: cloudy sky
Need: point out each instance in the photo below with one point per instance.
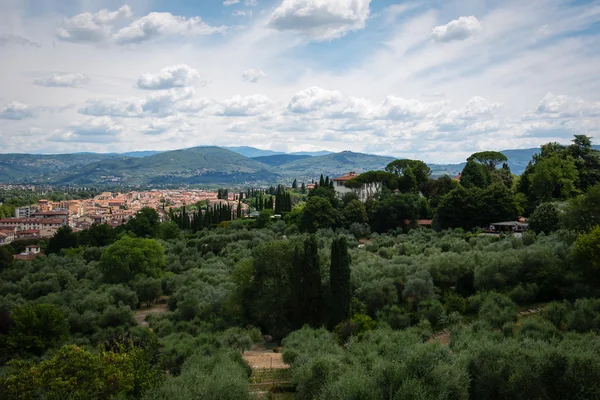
(431, 79)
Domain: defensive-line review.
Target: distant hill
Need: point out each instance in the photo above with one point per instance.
(191, 166)
(141, 153)
(204, 165)
(252, 152)
(279, 159)
(40, 168)
(311, 153)
(334, 164)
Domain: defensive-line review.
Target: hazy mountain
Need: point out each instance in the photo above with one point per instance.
(195, 165)
(203, 165)
(279, 159)
(311, 153)
(252, 152)
(334, 164)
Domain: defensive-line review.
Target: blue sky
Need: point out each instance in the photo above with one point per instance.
(433, 80)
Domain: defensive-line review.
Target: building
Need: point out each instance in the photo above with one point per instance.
(62, 215)
(7, 236)
(23, 212)
(363, 192)
(23, 224)
(509, 227)
(32, 251)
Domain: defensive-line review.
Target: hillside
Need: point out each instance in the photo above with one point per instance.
(190, 166)
(333, 165)
(279, 159)
(37, 168)
(252, 152)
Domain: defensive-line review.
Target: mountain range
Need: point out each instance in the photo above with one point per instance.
(204, 166)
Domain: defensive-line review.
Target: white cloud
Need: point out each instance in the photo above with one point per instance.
(92, 130)
(88, 27)
(16, 111)
(397, 108)
(250, 3)
(563, 106)
(163, 103)
(253, 76)
(242, 13)
(230, 2)
(169, 77)
(321, 19)
(70, 79)
(458, 29)
(313, 99)
(6, 39)
(241, 106)
(113, 108)
(160, 24)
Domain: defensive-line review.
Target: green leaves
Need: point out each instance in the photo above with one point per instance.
(129, 257)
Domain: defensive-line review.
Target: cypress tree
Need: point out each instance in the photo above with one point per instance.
(322, 181)
(303, 188)
(327, 181)
(311, 287)
(339, 308)
(295, 184)
(239, 209)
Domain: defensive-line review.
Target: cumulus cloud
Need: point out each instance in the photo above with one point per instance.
(230, 2)
(169, 77)
(71, 79)
(160, 24)
(92, 130)
(17, 111)
(6, 39)
(253, 76)
(321, 19)
(114, 108)
(242, 106)
(88, 27)
(104, 26)
(458, 29)
(563, 106)
(313, 98)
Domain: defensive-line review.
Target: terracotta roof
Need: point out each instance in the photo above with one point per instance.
(346, 177)
(43, 221)
(51, 213)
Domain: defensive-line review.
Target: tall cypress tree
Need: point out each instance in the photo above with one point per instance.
(339, 272)
(322, 181)
(303, 188)
(311, 282)
(295, 184)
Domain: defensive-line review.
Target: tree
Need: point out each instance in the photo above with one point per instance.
(295, 184)
(6, 258)
(303, 188)
(169, 230)
(475, 174)
(354, 212)
(129, 257)
(586, 254)
(145, 223)
(582, 213)
(36, 328)
(148, 289)
(98, 235)
(498, 309)
(491, 159)
(554, 178)
(412, 174)
(392, 211)
(545, 218)
(64, 238)
(339, 275)
(306, 286)
(318, 213)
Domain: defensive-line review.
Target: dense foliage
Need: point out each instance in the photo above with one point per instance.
(365, 304)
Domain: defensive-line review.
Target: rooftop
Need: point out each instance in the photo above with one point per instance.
(347, 177)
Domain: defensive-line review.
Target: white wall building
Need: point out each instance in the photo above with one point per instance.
(363, 193)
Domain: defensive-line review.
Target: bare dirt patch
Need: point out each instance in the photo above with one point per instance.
(140, 315)
(265, 359)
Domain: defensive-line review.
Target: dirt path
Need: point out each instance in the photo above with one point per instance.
(140, 315)
(265, 359)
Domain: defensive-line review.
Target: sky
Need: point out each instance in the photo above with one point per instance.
(434, 80)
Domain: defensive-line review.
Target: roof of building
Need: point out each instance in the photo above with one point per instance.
(43, 221)
(509, 223)
(33, 246)
(51, 213)
(347, 177)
